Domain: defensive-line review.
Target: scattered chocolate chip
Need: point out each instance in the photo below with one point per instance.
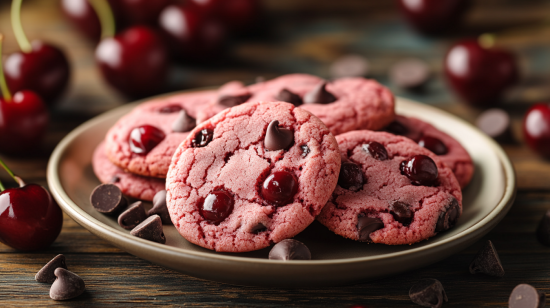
(258, 228)
(115, 179)
(202, 138)
(496, 124)
(543, 230)
(232, 101)
(428, 293)
(160, 208)
(46, 273)
(487, 262)
(397, 128)
(277, 138)
(150, 229)
(376, 150)
(305, 150)
(448, 218)
(351, 176)
(183, 123)
(108, 199)
(132, 216)
(290, 249)
(410, 74)
(401, 212)
(170, 109)
(289, 97)
(319, 95)
(366, 225)
(67, 285)
(350, 66)
(526, 296)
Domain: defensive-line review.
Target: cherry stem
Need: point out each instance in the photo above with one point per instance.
(2, 188)
(3, 85)
(106, 17)
(16, 178)
(17, 26)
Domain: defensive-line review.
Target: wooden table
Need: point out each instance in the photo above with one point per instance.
(306, 36)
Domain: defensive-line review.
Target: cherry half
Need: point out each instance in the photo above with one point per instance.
(536, 128)
(433, 16)
(144, 138)
(420, 169)
(280, 187)
(216, 206)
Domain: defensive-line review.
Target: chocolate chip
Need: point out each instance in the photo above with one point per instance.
(448, 218)
(150, 229)
(397, 128)
(350, 66)
(410, 74)
(115, 179)
(289, 97)
(366, 225)
(170, 109)
(202, 138)
(132, 216)
(67, 285)
(543, 230)
(376, 150)
(496, 124)
(233, 100)
(183, 123)
(258, 228)
(487, 262)
(277, 138)
(428, 293)
(351, 176)
(290, 249)
(108, 199)
(46, 273)
(319, 95)
(526, 296)
(401, 212)
(160, 208)
(305, 150)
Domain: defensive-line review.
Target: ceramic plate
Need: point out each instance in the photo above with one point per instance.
(336, 260)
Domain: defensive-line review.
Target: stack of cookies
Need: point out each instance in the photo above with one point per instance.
(248, 166)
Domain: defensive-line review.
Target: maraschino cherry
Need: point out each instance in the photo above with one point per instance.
(39, 67)
(433, 16)
(30, 219)
(536, 128)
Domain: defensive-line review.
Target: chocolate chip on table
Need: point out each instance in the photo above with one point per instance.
(46, 273)
(496, 124)
(108, 199)
(67, 285)
(183, 123)
(290, 249)
(376, 150)
(487, 262)
(319, 95)
(287, 96)
(202, 138)
(448, 218)
(351, 176)
(410, 74)
(350, 66)
(401, 212)
(233, 100)
(150, 229)
(277, 138)
(160, 208)
(543, 230)
(428, 293)
(366, 225)
(526, 296)
(132, 216)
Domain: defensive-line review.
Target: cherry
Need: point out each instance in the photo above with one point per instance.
(433, 16)
(420, 169)
(280, 187)
(144, 138)
(202, 138)
(433, 144)
(30, 219)
(480, 75)
(141, 12)
(536, 128)
(235, 14)
(84, 17)
(216, 206)
(376, 150)
(351, 176)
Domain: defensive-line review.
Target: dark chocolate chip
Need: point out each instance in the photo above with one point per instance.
(108, 199)
(305, 150)
(319, 95)
(150, 229)
(160, 208)
(526, 296)
(290, 249)
(496, 124)
(289, 97)
(349, 66)
(233, 100)
(376, 150)
(487, 262)
(397, 128)
(433, 144)
(46, 273)
(366, 225)
(277, 138)
(447, 219)
(183, 123)
(115, 179)
(351, 176)
(410, 74)
(132, 216)
(67, 285)
(170, 109)
(543, 230)
(401, 212)
(258, 228)
(202, 138)
(428, 293)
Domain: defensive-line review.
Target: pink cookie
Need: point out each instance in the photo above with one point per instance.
(446, 147)
(241, 181)
(132, 185)
(160, 141)
(375, 201)
(347, 104)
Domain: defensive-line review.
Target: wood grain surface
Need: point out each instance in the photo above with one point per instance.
(303, 36)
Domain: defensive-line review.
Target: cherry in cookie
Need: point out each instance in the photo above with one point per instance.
(234, 194)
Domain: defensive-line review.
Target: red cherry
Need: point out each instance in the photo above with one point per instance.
(135, 62)
(536, 128)
(144, 138)
(480, 75)
(351, 176)
(235, 14)
(433, 144)
(433, 16)
(141, 12)
(280, 187)
(83, 16)
(216, 206)
(420, 169)
(376, 150)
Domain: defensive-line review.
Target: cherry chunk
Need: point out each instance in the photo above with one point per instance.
(420, 169)
(280, 187)
(202, 138)
(144, 138)
(376, 150)
(216, 206)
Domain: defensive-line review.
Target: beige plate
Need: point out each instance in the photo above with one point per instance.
(336, 260)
